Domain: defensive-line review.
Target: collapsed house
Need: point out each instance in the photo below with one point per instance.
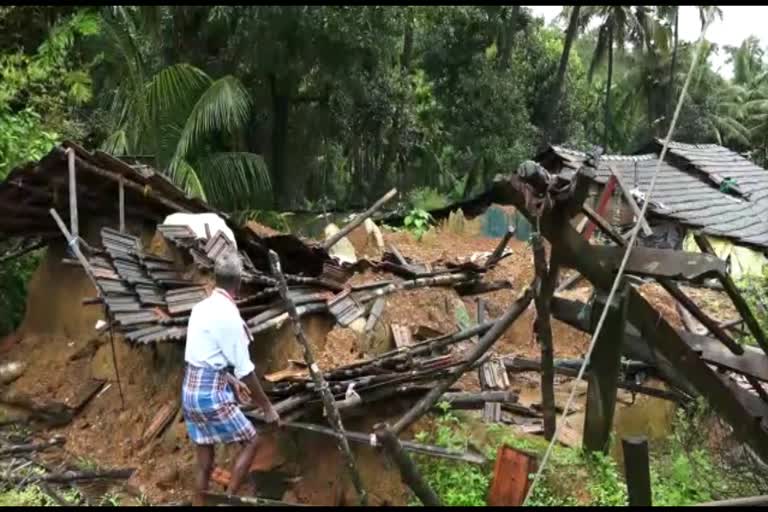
(702, 187)
(141, 277)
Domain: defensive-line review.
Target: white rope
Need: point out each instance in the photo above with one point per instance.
(619, 274)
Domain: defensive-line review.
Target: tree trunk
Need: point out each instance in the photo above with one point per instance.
(607, 126)
(471, 179)
(672, 70)
(557, 90)
(280, 104)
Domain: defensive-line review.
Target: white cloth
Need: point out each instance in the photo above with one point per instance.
(217, 337)
(197, 221)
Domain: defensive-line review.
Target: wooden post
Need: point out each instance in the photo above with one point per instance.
(72, 242)
(490, 337)
(359, 220)
(334, 418)
(72, 194)
(604, 376)
(121, 198)
(637, 471)
(408, 470)
(545, 281)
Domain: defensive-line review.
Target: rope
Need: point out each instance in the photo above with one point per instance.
(619, 274)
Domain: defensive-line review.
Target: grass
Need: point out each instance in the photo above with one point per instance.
(684, 470)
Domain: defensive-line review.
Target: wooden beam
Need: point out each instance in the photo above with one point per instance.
(408, 470)
(604, 378)
(545, 281)
(359, 220)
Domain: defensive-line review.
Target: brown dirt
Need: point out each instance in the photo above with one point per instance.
(57, 326)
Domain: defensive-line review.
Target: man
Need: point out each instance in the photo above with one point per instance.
(217, 340)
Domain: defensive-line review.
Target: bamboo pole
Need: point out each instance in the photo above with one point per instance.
(72, 193)
(359, 220)
(408, 470)
(121, 201)
(334, 418)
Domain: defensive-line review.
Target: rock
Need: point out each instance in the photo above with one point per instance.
(358, 325)
(343, 249)
(9, 372)
(377, 342)
(165, 478)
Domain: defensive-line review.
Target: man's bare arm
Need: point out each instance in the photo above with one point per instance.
(259, 397)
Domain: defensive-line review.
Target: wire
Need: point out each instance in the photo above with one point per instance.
(628, 251)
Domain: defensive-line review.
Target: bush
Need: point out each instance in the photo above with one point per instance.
(14, 276)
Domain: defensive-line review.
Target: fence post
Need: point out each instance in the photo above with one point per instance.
(637, 471)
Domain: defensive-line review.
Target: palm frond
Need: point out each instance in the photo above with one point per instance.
(187, 179)
(232, 179)
(173, 91)
(116, 144)
(224, 107)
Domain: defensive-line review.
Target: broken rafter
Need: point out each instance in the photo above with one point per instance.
(358, 220)
(317, 376)
(423, 449)
(490, 337)
(408, 470)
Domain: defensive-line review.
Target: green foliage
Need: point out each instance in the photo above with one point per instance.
(754, 290)
(427, 199)
(39, 90)
(417, 222)
(14, 276)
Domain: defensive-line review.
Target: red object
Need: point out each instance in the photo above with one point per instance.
(221, 476)
(510, 477)
(602, 204)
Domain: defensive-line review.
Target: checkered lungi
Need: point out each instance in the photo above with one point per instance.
(210, 409)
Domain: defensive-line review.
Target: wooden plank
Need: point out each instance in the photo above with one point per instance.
(510, 477)
(161, 419)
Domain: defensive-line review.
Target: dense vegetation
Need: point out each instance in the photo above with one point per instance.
(268, 108)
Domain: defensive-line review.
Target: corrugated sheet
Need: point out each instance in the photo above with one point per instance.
(688, 193)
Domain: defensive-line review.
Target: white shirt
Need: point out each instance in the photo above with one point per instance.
(217, 337)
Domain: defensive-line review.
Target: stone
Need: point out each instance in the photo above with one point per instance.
(343, 249)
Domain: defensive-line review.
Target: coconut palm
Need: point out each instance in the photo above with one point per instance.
(619, 25)
(190, 122)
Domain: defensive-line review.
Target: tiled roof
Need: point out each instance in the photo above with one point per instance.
(688, 187)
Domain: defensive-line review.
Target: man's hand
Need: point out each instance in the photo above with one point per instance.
(271, 417)
(242, 392)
